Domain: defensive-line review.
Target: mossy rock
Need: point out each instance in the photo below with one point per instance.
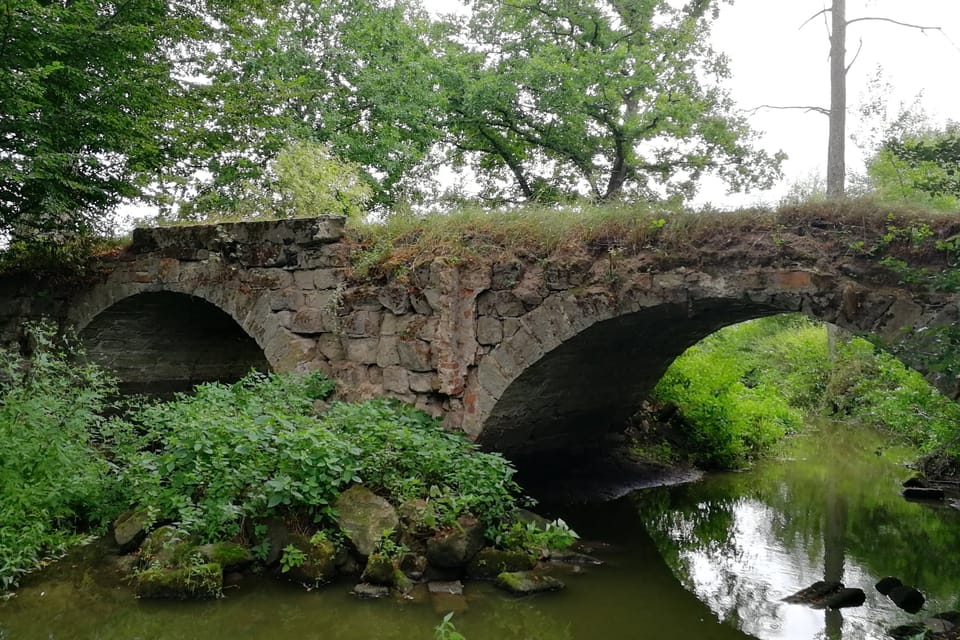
(189, 583)
(364, 516)
(229, 555)
(129, 529)
(319, 563)
(527, 582)
(379, 570)
(166, 547)
(490, 562)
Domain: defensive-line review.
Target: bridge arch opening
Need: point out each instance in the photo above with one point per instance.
(161, 342)
(593, 382)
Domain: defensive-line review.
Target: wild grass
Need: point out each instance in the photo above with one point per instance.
(536, 231)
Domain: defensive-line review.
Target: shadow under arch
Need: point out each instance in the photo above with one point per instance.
(592, 382)
(160, 342)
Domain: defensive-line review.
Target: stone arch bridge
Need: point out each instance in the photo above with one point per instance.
(522, 356)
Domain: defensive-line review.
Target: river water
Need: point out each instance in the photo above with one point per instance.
(706, 560)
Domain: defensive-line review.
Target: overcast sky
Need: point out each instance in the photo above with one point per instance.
(774, 61)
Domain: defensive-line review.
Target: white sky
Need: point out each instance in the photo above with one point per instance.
(775, 62)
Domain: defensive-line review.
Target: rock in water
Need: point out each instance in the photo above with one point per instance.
(527, 582)
(847, 597)
(907, 598)
(888, 584)
(815, 593)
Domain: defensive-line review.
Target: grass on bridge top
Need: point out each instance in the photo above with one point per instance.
(538, 231)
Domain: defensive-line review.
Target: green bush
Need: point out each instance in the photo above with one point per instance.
(740, 390)
(54, 480)
(254, 449)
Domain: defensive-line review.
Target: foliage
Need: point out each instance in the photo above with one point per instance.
(921, 167)
(875, 388)
(54, 481)
(89, 97)
(733, 387)
(305, 179)
(253, 449)
(446, 629)
(291, 558)
(534, 538)
(606, 99)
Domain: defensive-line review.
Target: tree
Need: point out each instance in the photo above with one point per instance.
(837, 137)
(87, 88)
(559, 97)
(358, 76)
(921, 166)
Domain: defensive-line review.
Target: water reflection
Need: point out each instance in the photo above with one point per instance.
(831, 510)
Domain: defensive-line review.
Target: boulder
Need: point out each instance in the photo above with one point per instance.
(319, 561)
(815, 594)
(490, 562)
(907, 598)
(229, 555)
(888, 584)
(277, 537)
(192, 582)
(364, 517)
(456, 546)
(165, 546)
(129, 529)
(527, 582)
(379, 570)
(452, 587)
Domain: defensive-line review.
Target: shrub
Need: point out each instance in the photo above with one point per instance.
(54, 481)
(254, 449)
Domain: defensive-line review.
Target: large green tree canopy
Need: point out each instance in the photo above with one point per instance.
(188, 102)
(605, 97)
(89, 97)
(921, 166)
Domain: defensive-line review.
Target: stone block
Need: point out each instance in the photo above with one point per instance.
(329, 278)
(387, 354)
(489, 330)
(361, 324)
(414, 354)
(303, 279)
(395, 379)
(260, 278)
(286, 299)
(331, 346)
(362, 350)
(510, 327)
(394, 297)
(423, 382)
(309, 321)
(506, 275)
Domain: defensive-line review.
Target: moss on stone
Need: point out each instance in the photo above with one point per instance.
(490, 562)
(194, 582)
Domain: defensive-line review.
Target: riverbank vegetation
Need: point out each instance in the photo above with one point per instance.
(740, 390)
(229, 462)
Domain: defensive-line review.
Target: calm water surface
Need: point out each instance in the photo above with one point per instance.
(709, 560)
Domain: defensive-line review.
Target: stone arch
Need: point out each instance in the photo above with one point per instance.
(158, 342)
(581, 364)
(229, 292)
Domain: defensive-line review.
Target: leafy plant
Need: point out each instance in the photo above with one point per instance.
(534, 538)
(54, 477)
(292, 557)
(255, 449)
(446, 629)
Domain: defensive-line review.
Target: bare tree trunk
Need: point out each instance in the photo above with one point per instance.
(836, 145)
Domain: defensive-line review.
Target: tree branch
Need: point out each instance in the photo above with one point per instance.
(822, 110)
(857, 55)
(811, 18)
(897, 22)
